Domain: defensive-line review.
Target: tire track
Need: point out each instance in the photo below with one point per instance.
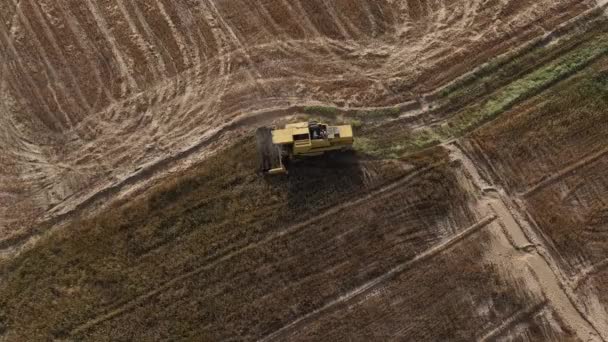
(309, 29)
(305, 24)
(361, 290)
(48, 33)
(159, 72)
(201, 62)
(197, 41)
(568, 170)
(220, 83)
(337, 21)
(533, 254)
(512, 321)
(130, 85)
(85, 44)
(265, 14)
(347, 22)
(273, 236)
(53, 80)
(370, 17)
(328, 44)
(586, 273)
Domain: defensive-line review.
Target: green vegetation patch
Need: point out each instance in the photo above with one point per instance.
(502, 70)
(393, 140)
(321, 110)
(524, 88)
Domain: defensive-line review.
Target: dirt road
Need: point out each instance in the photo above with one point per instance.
(526, 257)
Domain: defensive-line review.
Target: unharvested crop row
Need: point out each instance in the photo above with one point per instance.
(267, 286)
(173, 230)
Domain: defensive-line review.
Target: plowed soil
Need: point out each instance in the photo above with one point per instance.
(473, 207)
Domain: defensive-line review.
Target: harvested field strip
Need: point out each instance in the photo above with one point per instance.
(365, 288)
(547, 136)
(489, 82)
(499, 102)
(534, 53)
(443, 292)
(588, 272)
(491, 76)
(526, 87)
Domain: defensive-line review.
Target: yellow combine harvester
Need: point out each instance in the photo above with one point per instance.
(303, 139)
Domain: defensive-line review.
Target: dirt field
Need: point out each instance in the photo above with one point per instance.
(96, 91)
(473, 208)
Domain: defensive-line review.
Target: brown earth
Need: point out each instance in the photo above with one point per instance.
(95, 90)
(131, 209)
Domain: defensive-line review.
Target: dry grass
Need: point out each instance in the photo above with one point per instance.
(542, 138)
(196, 219)
(452, 297)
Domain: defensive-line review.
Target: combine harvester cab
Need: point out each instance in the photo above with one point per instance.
(303, 139)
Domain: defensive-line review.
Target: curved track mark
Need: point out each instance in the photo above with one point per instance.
(130, 85)
(53, 80)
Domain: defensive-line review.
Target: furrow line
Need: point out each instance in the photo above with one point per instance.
(257, 77)
(584, 275)
(370, 17)
(568, 170)
(85, 43)
(179, 39)
(337, 21)
(25, 74)
(48, 32)
(53, 80)
(514, 320)
(141, 42)
(130, 85)
(141, 19)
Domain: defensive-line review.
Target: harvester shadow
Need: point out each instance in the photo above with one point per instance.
(315, 182)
